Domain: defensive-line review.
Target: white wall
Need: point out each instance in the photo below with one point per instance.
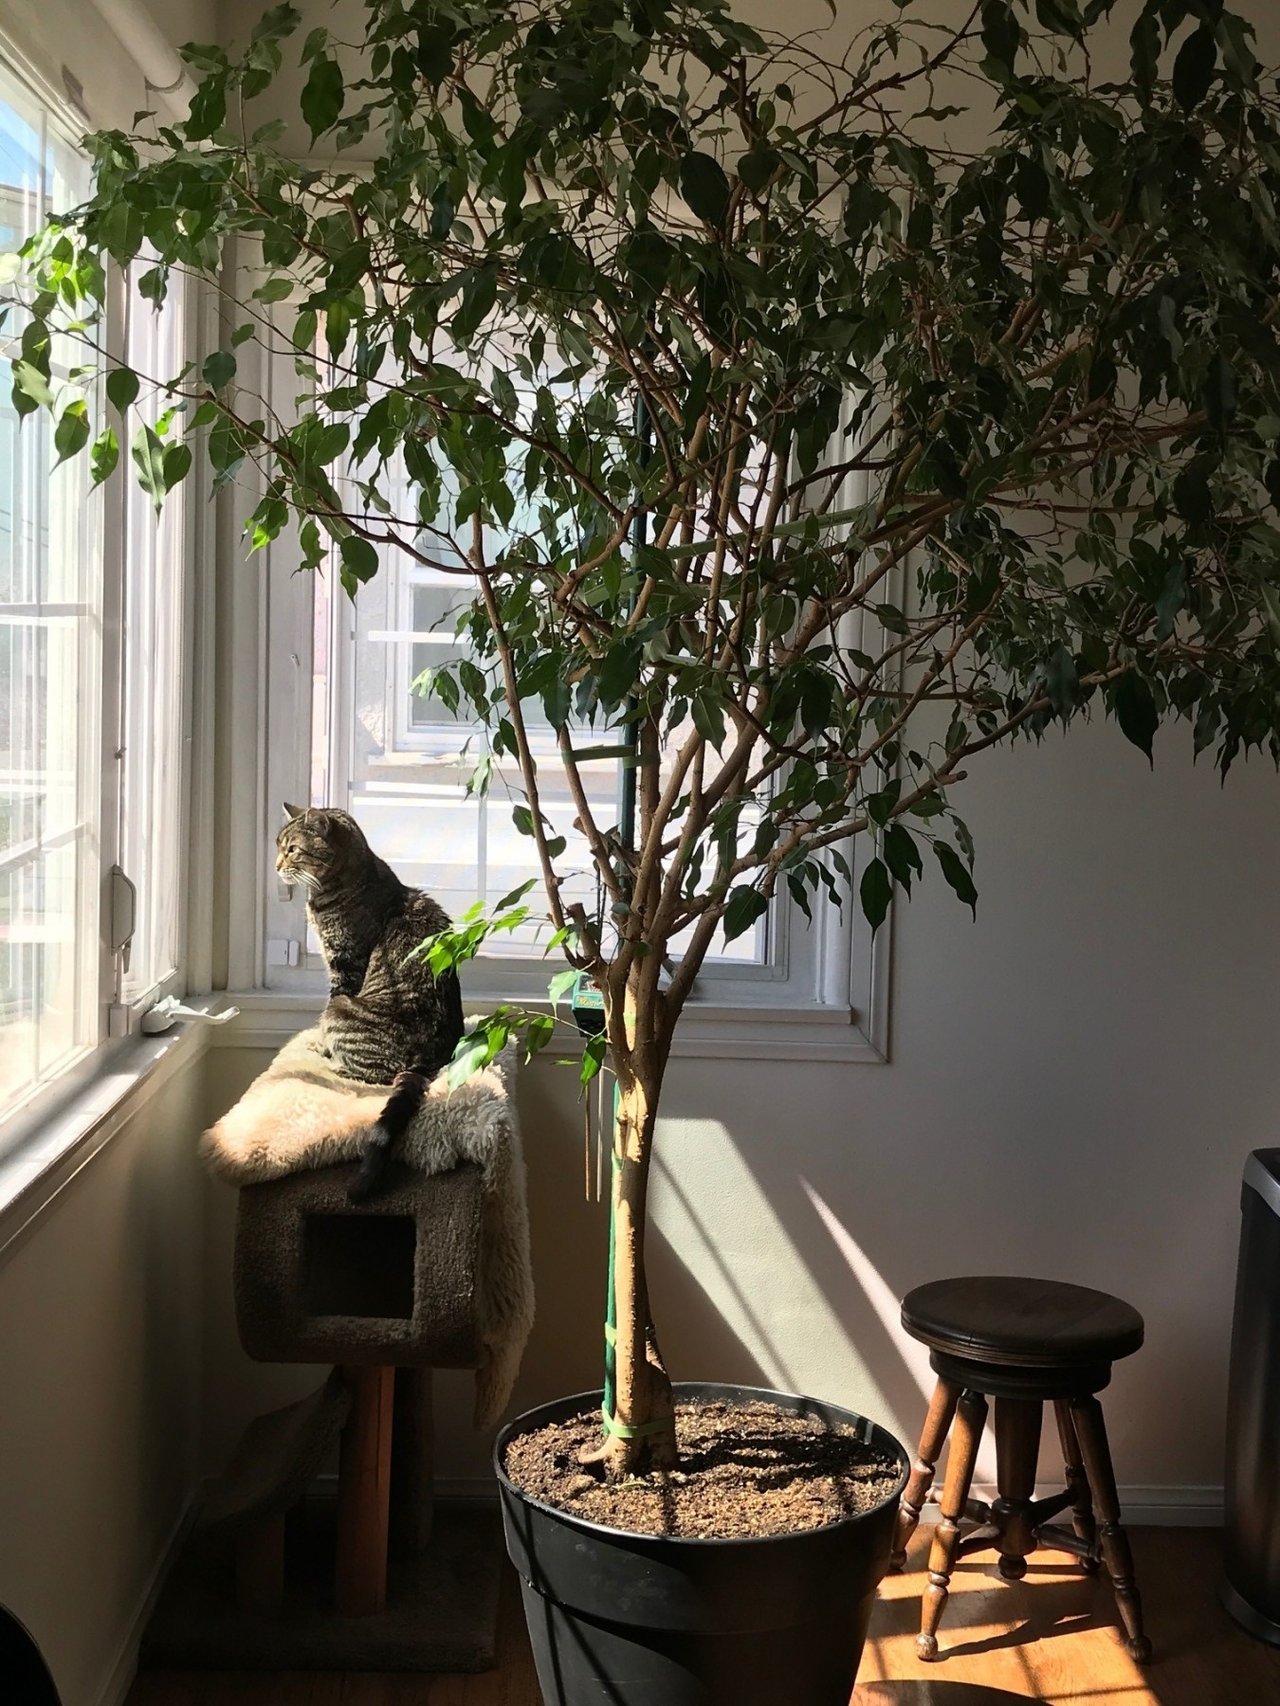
(100, 1393)
(1075, 1080)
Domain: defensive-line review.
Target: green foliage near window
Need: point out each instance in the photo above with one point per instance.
(806, 421)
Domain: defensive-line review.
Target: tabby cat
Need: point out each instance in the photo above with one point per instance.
(387, 1020)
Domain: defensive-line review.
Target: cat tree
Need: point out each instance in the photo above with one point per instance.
(433, 1272)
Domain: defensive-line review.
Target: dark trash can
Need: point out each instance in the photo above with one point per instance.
(1251, 1582)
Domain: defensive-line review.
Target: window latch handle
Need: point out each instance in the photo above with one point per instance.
(123, 914)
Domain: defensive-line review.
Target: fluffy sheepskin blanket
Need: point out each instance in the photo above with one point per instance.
(302, 1113)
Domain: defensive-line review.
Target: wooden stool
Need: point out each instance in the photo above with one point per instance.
(1023, 1342)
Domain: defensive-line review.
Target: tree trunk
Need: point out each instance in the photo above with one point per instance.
(640, 1436)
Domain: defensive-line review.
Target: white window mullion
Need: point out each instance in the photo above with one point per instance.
(113, 499)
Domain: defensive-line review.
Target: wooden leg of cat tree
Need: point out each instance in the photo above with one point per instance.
(364, 1493)
(411, 1462)
(260, 1567)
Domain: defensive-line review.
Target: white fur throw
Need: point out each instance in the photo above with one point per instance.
(302, 1113)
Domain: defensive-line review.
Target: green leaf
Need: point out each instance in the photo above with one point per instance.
(104, 456)
(1194, 67)
(304, 330)
(274, 290)
(875, 891)
(322, 95)
(708, 718)
(153, 285)
(957, 874)
(1060, 680)
(219, 369)
(1061, 16)
(147, 451)
(32, 383)
(478, 298)
(177, 465)
(123, 385)
(901, 854)
(594, 1051)
(758, 166)
(72, 431)
(1192, 497)
(208, 108)
(705, 187)
(1135, 710)
(744, 907)
(359, 558)
(475, 1051)
(1170, 600)
(1001, 35)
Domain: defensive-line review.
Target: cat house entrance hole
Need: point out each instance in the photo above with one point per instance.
(358, 1265)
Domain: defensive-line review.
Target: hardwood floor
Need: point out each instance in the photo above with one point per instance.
(1051, 1637)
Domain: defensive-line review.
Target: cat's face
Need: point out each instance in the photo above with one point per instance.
(317, 844)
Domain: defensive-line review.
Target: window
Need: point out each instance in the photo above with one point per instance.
(50, 663)
(393, 753)
(92, 674)
(343, 726)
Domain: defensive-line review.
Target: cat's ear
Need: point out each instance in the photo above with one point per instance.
(290, 812)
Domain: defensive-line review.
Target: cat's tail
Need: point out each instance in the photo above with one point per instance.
(407, 1092)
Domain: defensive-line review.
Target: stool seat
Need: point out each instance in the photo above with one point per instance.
(1028, 1323)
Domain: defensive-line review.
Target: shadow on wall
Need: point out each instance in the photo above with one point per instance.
(24, 1673)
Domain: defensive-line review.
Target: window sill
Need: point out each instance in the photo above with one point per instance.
(48, 1143)
(709, 1030)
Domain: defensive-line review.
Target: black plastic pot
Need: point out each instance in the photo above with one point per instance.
(620, 1619)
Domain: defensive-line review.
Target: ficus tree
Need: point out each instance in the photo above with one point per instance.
(802, 416)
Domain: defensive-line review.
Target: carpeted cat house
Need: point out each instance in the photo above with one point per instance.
(433, 1272)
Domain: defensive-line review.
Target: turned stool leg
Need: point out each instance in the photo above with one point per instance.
(1078, 1486)
(1017, 1451)
(1091, 1431)
(971, 1415)
(942, 1409)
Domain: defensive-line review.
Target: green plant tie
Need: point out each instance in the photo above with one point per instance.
(641, 1430)
(611, 1303)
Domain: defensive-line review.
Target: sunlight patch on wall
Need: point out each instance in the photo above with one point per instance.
(721, 1226)
(885, 1302)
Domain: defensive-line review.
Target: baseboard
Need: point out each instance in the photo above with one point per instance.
(120, 1677)
(1172, 1507)
(1150, 1507)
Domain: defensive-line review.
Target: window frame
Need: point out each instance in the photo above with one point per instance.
(115, 1011)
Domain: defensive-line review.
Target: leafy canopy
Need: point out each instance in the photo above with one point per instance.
(800, 420)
